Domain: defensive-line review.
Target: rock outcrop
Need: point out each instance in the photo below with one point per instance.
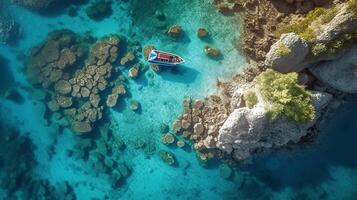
(293, 61)
(340, 74)
(343, 22)
(249, 130)
(299, 58)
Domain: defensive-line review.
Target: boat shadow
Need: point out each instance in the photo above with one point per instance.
(180, 74)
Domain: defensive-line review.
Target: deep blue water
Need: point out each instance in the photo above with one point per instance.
(325, 169)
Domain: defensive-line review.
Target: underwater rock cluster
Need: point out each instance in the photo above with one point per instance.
(104, 155)
(77, 79)
(99, 10)
(17, 176)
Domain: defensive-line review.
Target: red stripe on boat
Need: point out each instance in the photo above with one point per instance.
(163, 55)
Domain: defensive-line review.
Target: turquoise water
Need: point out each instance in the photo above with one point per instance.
(325, 169)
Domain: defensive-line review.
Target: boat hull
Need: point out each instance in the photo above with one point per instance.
(164, 59)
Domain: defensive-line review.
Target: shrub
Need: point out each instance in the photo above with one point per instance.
(283, 50)
(285, 96)
(302, 27)
(250, 98)
(328, 15)
(318, 49)
(352, 7)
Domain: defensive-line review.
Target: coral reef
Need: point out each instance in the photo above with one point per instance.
(168, 138)
(76, 80)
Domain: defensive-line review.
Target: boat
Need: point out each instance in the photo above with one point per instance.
(164, 59)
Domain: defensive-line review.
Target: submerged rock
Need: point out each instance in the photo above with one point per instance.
(63, 87)
(175, 31)
(168, 138)
(225, 171)
(134, 105)
(202, 33)
(99, 10)
(180, 143)
(147, 49)
(128, 58)
(112, 100)
(212, 52)
(133, 72)
(81, 127)
(167, 157)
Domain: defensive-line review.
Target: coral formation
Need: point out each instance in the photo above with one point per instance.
(75, 82)
(180, 143)
(168, 138)
(128, 58)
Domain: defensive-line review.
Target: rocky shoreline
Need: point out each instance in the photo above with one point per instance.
(227, 126)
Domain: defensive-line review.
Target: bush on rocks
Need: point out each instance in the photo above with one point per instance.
(286, 96)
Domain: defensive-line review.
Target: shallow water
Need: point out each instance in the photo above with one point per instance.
(323, 170)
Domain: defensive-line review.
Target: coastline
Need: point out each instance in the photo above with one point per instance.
(216, 109)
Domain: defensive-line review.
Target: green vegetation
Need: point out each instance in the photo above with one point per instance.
(286, 96)
(334, 45)
(352, 7)
(315, 18)
(250, 98)
(303, 26)
(319, 49)
(283, 50)
(328, 15)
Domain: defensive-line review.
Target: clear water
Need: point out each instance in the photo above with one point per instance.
(326, 169)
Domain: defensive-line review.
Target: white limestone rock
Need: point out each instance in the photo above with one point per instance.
(291, 62)
(247, 130)
(340, 74)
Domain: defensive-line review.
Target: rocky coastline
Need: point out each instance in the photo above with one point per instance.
(228, 125)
